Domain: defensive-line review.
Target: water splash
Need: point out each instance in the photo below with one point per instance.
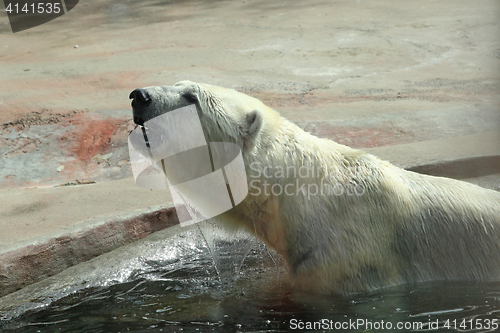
(227, 249)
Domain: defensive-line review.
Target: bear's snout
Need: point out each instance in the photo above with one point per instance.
(140, 98)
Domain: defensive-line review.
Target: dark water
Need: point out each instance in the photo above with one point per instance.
(241, 287)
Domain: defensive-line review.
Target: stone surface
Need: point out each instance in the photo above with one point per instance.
(46, 230)
(365, 74)
(52, 253)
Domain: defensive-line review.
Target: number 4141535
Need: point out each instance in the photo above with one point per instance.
(472, 324)
(40, 8)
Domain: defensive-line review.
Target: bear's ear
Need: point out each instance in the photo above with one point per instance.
(253, 124)
(191, 92)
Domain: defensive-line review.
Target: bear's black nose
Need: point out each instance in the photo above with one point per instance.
(140, 99)
(140, 96)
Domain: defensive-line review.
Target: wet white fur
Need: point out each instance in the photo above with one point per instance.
(405, 227)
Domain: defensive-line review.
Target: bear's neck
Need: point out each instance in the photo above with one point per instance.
(289, 162)
(288, 146)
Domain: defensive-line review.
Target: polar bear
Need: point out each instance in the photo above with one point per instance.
(343, 220)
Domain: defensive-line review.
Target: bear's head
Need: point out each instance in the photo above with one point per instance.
(225, 114)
